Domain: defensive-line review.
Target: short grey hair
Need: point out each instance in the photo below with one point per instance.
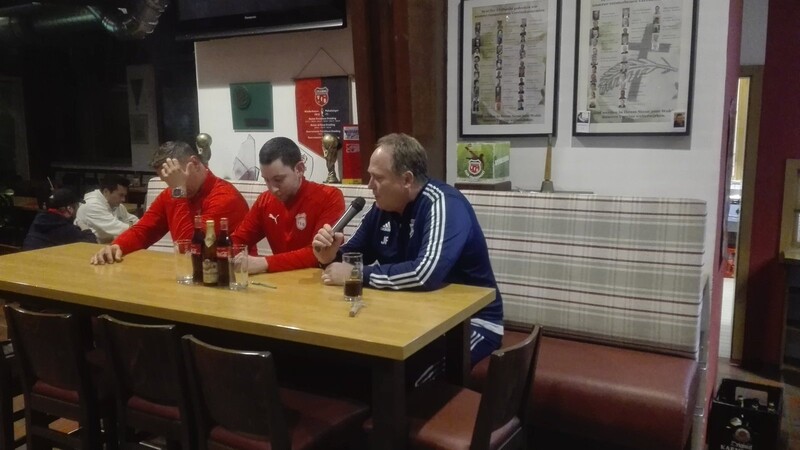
(173, 149)
(407, 155)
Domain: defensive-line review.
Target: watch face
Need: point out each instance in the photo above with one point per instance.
(177, 192)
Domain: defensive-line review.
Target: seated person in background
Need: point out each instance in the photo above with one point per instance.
(54, 226)
(422, 234)
(103, 211)
(191, 189)
(289, 212)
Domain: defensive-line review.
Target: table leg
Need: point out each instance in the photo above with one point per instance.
(458, 360)
(390, 424)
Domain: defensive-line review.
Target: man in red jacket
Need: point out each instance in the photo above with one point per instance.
(191, 189)
(289, 212)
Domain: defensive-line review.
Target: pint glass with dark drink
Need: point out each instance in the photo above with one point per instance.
(354, 284)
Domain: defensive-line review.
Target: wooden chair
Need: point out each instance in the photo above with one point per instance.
(10, 387)
(240, 406)
(149, 380)
(453, 417)
(56, 380)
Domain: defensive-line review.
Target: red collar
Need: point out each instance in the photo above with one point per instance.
(56, 211)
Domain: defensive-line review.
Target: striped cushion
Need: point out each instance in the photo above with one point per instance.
(625, 271)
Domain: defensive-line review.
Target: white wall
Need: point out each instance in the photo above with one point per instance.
(754, 32)
(653, 166)
(276, 58)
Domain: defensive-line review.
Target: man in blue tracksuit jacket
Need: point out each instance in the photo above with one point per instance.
(420, 234)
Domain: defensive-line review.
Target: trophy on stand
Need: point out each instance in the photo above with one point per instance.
(547, 184)
(330, 150)
(203, 142)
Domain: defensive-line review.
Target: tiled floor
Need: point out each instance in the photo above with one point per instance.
(790, 382)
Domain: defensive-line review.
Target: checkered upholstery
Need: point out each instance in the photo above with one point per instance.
(624, 271)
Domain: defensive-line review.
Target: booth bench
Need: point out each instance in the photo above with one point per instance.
(617, 285)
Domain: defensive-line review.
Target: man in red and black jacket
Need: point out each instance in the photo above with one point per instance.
(289, 212)
(191, 189)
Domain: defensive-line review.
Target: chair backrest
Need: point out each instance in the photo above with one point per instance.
(50, 348)
(237, 390)
(511, 371)
(146, 361)
(9, 249)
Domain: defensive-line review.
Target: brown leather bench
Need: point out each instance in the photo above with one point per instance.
(608, 394)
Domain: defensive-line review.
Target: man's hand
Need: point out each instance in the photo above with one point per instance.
(336, 274)
(108, 255)
(326, 243)
(255, 264)
(173, 174)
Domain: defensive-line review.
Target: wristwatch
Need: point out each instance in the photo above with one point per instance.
(178, 192)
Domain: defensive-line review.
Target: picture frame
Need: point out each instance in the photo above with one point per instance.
(509, 61)
(634, 64)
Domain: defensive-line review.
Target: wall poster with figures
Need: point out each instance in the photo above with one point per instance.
(508, 67)
(634, 66)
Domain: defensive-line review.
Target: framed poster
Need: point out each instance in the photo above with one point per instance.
(633, 66)
(508, 67)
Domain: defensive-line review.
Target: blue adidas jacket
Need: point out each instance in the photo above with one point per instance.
(436, 240)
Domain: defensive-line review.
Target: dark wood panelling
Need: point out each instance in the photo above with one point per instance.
(400, 57)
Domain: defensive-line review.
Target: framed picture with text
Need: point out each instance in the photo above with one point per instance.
(508, 67)
(633, 67)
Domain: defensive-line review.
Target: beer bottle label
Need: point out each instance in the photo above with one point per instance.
(210, 273)
(196, 249)
(222, 252)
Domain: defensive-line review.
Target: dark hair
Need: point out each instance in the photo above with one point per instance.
(173, 149)
(111, 182)
(407, 155)
(62, 198)
(280, 148)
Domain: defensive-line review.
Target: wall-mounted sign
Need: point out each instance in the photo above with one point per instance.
(251, 106)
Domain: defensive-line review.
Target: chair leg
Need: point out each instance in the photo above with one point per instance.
(110, 436)
(33, 420)
(6, 412)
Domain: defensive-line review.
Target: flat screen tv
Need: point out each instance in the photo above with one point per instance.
(210, 19)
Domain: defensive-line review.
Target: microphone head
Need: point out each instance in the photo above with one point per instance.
(358, 203)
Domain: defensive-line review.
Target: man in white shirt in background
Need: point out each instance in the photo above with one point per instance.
(103, 212)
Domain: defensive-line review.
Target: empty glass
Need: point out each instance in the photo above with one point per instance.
(238, 267)
(183, 261)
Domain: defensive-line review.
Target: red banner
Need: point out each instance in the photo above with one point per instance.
(323, 106)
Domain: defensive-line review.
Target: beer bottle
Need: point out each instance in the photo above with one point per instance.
(223, 252)
(210, 274)
(197, 250)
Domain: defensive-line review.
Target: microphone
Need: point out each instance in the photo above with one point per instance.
(355, 207)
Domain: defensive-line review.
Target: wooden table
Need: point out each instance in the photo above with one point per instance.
(391, 327)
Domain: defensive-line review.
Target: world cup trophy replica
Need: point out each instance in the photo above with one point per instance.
(330, 150)
(203, 142)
